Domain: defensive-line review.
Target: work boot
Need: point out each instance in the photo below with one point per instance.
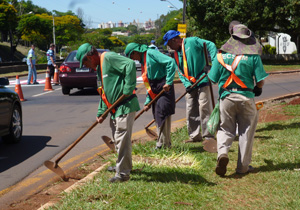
(111, 169)
(222, 165)
(119, 179)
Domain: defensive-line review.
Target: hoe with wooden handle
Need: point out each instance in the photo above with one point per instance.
(53, 166)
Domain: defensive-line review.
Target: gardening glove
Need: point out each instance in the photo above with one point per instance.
(189, 89)
(206, 69)
(257, 91)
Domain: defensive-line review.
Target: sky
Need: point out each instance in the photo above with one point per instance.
(102, 11)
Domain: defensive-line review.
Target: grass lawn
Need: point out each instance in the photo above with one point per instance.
(183, 177)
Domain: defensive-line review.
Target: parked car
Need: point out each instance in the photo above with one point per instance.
(11, 126)
(71, 76)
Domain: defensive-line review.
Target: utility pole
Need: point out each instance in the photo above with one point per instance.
(184, 10)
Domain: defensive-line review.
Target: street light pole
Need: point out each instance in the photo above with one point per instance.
(170, 3)
(184, 10)
(53, 30)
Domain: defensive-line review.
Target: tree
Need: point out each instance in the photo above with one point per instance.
(8, 23)
(210, 19)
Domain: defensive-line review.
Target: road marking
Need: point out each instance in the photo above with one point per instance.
(40, 94)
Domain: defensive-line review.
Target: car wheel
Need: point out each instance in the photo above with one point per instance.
(65, 90)
(16, 127)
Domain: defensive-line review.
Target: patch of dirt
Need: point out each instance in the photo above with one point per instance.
(52, 193)
(270, 112)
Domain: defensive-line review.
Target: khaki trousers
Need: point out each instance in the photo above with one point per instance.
(198, 110)
(121, 131)
(237, 110)
(164, 133)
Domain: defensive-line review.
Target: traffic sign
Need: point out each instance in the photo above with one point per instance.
(182, 29)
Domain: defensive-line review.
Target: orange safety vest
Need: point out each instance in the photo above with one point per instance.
(101, 89)
(145, 78)
(185, 66)
(231, 68)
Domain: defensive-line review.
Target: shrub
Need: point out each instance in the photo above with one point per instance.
(268, 49)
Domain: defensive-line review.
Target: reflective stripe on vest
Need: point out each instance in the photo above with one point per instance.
(231, 68)
(145, 78)
(185, 66)
(101, 89)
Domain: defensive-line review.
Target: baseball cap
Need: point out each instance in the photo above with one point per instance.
(82, 51)
(170, 35)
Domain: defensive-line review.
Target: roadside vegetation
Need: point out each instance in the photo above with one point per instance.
(183, 177)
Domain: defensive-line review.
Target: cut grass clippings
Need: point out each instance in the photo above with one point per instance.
(183, 177)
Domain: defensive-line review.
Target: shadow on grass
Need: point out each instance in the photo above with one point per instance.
(275, 126)
(269, 167)
(263, 137)
(166, 177)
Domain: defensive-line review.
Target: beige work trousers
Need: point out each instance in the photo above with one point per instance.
(198, 110)
(121, 131)
(237, 110)
(164, 133)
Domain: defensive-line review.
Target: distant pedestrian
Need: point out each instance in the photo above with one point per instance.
(51, 65)
(240, 74)
(189, 56)
(152, 45)
(118, 77)
(31, 60)
(158, 72)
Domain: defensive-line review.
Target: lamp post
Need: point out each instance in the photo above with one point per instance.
(170, 3)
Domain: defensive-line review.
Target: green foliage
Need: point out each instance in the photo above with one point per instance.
(132, 29)
(8, 17)
(142, 39)
(211, 18)
(268, 49)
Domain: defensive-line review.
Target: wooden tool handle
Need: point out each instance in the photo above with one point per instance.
(151, 102)
(89, 129)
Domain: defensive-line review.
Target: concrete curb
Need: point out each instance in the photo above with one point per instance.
(89, 177)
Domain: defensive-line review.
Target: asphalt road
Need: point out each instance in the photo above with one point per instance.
(52, 121)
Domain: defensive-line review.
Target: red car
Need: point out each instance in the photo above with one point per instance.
(71, 76)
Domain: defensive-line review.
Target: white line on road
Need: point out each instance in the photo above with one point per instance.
(45, 92)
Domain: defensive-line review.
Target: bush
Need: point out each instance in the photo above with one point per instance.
(268, 49)
(41, 60)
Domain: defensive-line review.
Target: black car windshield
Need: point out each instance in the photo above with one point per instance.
(71, 57)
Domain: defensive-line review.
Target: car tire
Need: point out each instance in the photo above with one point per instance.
(65, 90)
(15, 128)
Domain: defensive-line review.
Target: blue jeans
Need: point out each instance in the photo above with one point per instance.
(30, 72)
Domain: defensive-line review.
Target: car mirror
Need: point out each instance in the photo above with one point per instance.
(4, 81)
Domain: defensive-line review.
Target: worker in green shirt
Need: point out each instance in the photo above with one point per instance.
(189, 56)
(158, 72)
(240, 75)
(118, 77)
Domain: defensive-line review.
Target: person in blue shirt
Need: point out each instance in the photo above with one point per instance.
(31, 65)
(51, 60)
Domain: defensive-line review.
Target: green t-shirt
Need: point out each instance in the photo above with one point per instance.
(159, 65)
(195, 58)
(119, 77)
(249, 69)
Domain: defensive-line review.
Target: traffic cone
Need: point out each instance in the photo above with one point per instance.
(18, 89)
(31, 81)
(48, 82)
(56, 77)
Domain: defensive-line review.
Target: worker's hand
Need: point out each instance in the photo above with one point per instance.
(100, 119)
(189, 89)
(257, 91)
(54, 65)
(206, 69)
(146, 108)
(166, 87)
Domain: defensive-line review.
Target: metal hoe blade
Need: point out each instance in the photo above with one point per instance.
(210, 145)
(56, 169)
(152, 134)
(109, 143)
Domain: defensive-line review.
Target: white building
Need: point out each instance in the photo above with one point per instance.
(283, 43)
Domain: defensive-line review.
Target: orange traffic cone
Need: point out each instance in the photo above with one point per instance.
(18, 89)
(48, 82)
(31, 81)
(56, 78)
